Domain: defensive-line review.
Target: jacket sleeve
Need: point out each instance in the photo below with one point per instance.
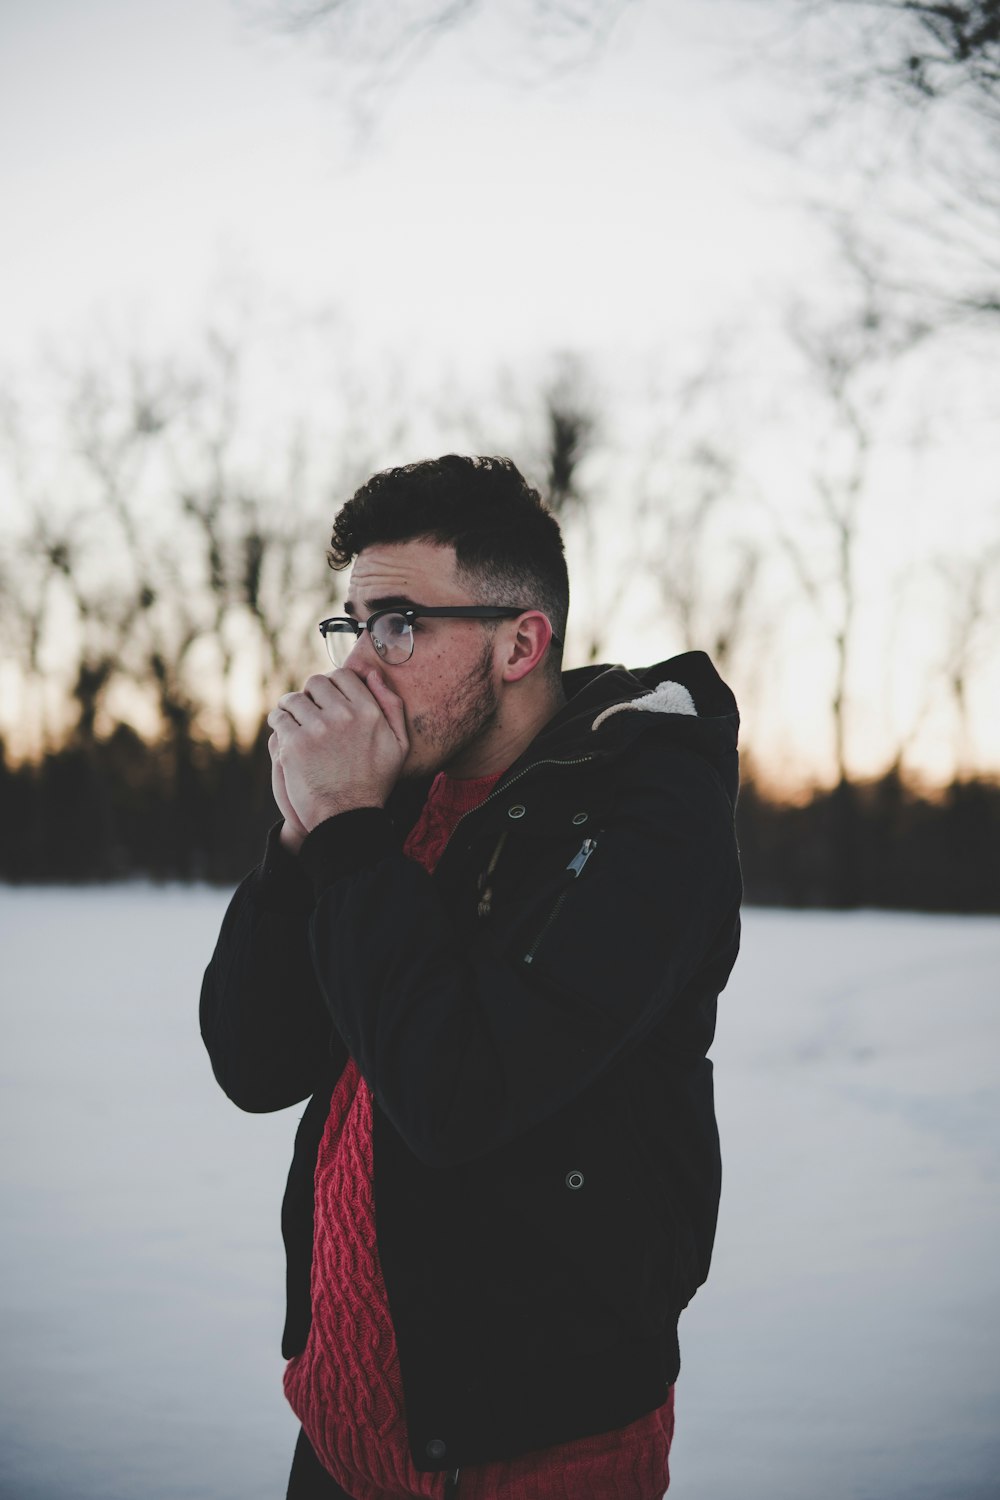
(268, 1033)
(465, 1044)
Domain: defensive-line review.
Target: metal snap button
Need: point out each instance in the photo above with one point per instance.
(517, 811)
(574, 1180)
(579, 818)
(436, 1448)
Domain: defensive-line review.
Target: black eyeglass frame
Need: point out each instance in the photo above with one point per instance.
(411, 612)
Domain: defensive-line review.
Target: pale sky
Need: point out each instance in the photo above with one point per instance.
(155, 153)
(145, 144)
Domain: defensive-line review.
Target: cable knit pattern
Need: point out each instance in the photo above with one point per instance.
(629, 1464)
(346, 1388)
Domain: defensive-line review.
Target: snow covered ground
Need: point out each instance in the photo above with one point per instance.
(845, 1345)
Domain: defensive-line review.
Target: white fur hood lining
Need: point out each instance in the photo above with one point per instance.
(667, 698)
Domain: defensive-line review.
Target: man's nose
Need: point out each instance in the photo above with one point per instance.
(362, 655)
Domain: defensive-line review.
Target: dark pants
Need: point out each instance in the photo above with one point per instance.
(308, 1479)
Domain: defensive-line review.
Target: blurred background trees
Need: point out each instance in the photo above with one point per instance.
(162, 582)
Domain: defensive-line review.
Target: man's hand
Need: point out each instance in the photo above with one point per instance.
(293, 831)
(338, 744)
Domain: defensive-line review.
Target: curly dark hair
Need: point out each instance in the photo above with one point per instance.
(508, 546)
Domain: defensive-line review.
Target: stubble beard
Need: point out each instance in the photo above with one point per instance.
(447, 734)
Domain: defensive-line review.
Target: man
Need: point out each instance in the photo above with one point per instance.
(485, 943)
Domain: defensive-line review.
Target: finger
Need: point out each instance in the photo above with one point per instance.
(296, 706)
(321, 690)
(290, 704)
(350, 686)
(272, 745)
(391, 705)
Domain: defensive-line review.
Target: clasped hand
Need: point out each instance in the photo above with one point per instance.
(339, 743)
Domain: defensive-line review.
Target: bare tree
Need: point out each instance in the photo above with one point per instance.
(122, 577)
(33, 564)
(29, 566)
(850, 365)
(553, 427)
(922, 50)
(380, 41)
(172, 578)
(692, 540)
(914, 87)
(570, 428)
(972, 592)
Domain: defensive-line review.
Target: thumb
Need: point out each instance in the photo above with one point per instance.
(391, 705)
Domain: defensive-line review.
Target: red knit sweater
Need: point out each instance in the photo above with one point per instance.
(345, 1386)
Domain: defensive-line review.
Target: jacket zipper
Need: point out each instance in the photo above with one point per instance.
(574, 868)
(451, 1484)
(485, 889)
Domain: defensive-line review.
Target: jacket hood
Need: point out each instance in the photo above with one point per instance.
(682, 699)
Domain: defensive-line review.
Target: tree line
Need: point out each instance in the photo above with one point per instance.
(163, 571)
(122, 809)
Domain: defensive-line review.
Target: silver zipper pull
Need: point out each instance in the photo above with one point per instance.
(581, 856)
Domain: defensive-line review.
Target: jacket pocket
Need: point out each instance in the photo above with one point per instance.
(571, 875)
(587, 1203)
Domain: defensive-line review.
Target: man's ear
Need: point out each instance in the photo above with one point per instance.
(527, 646)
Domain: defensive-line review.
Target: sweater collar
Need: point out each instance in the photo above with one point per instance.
(453, 796)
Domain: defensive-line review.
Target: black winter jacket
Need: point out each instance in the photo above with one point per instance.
(533, 1021)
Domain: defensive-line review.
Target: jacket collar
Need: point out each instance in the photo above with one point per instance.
(682, 700)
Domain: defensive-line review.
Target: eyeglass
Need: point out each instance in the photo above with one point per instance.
(391, 630)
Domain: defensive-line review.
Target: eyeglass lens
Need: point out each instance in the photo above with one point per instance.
(391, 635)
